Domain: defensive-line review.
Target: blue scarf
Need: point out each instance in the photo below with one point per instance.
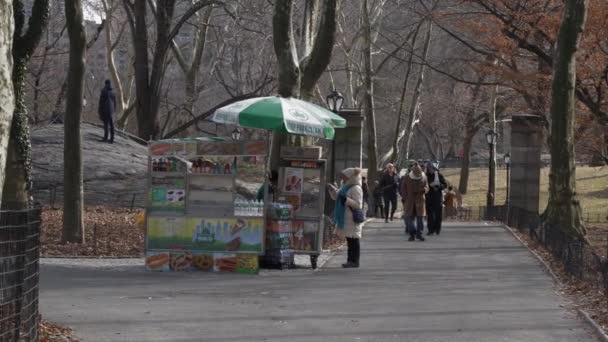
(340, 207)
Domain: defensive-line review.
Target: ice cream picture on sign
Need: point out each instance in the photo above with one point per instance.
(293, 180)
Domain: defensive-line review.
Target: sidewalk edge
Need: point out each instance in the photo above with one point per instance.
(598, 331)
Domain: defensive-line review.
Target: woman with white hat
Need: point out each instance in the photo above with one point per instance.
(349, 217)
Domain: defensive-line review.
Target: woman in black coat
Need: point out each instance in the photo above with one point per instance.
(434, 199)
(389, 183)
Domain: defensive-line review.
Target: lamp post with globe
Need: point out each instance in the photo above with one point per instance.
(335, 100)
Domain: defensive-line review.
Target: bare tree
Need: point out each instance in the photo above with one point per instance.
(123, 94)
(564, 209)
(7, 99)
(73, 202)
(149, 78)
(18, 169)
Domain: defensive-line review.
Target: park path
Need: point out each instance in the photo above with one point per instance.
(475, 282)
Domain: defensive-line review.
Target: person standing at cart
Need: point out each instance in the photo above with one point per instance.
(434, 199)
(349, 217)
(389, 184)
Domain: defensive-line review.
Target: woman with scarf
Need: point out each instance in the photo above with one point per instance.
(434, 199)
(414, 187)
(349, 198)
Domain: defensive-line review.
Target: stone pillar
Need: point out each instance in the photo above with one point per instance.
(526, 145)
(348, 141)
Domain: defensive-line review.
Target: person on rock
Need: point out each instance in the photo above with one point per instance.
(414, 187)
(349, 198)
(434, 199)
(107, 107)
(389, 184)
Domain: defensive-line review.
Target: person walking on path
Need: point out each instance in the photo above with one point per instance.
(389, 183)
(434, 199)
(349, 202)
(107, 107)
(365, 188)
(414, 186)
(378, 206)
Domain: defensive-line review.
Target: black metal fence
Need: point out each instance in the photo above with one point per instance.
(19, 275)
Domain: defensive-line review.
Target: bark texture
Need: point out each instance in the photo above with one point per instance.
(73, 225)
(16, 194)
(368, 102)
(564, 210)
(149, 78)
(7, 100)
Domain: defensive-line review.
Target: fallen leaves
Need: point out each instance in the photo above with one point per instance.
(51, 332)
(109, 232)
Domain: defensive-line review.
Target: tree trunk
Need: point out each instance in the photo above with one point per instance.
(412, 118)
(284, 48)
(19, 167)
(564, 209)
(466, 162)
(370, 114)
(7, 100)
(121, 104)
(73, 225)
(297, 80)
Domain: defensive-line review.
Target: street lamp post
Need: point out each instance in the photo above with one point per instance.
(236, 134)
(335, 100)
(491, 138)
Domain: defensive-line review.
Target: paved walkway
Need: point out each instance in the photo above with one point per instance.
(472, 283)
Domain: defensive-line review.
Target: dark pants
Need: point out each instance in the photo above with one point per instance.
(354, 250)
(434, 211)
(414, 230)
(378, 207)
(390, 204)
(108, 125)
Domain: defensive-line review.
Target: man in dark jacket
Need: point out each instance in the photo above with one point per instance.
(434, 199)
(389, 183)
(107, 107)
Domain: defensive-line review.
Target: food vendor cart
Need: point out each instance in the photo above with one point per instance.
(196, 219)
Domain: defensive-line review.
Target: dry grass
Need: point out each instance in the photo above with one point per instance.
(592, 187)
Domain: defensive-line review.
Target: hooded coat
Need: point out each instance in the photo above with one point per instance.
(107, 102)
(354, 200)
(414, 187)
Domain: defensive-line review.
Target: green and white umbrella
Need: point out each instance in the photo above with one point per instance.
(281, 114)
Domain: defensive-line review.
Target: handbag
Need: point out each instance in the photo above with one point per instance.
(358, 215)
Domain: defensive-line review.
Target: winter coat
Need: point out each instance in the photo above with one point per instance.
(435, 194)
(354, 199)
(389, 184)
(414, 189)
(107, 103)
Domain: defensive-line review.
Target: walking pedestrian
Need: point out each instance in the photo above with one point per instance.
(390, 185)
(414, 186)
(107, 107)
(365, 188)
(434, 199)
(378, 206)
(349, 213)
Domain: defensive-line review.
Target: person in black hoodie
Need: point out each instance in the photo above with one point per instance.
(434, 199)
(389, 183)
(107, 107)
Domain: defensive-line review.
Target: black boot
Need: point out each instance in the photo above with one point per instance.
(412, 238)
(419, 237)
